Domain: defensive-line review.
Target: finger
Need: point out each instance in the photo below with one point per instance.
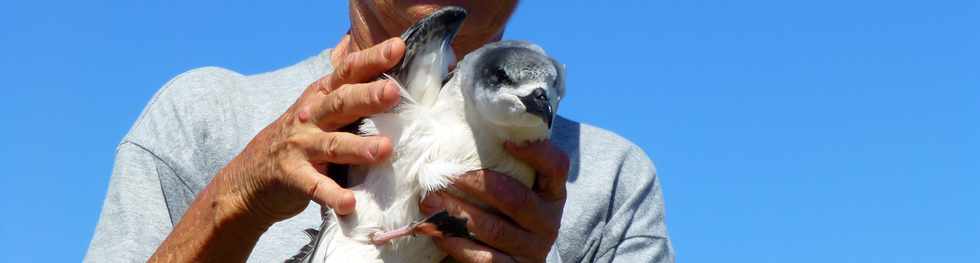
(465, 250)
(368, 64)
(550, 163)
(345, 148)
(340, 49)
(494, 230)
(319, 188)
(353, 101)
(511, 197)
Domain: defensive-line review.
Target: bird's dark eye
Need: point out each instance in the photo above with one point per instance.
(501, 75)
(542, 96)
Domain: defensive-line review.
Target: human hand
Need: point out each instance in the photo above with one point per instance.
(528, 220)
(284, 166)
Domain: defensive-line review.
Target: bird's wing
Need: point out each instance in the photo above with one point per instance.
(428, 55)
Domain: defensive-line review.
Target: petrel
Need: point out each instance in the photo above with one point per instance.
(446, 124)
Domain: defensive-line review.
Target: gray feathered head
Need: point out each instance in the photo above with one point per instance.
(513, 83)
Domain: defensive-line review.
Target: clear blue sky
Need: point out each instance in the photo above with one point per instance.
(783, 131)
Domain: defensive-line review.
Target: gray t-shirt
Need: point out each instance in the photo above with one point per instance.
(202, 118)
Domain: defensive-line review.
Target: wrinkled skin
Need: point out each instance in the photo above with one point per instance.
(283, 167)
(375, 21)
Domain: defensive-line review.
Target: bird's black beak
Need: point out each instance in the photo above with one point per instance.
(429, 35)
(537, 103)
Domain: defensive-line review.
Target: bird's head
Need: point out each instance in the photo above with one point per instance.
(514, 84)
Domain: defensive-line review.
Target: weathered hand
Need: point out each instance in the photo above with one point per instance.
(283, 167)
(528, 220)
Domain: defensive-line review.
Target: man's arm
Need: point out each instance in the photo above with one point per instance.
(134, 217)
(636, 230)
(217, 227)
(282, 168)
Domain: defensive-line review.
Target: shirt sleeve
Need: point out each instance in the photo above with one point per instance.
(637, 231)
(134, 218)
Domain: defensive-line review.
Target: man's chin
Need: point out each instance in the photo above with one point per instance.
(419, 9)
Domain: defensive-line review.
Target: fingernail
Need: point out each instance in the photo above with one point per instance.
(391, 88)
(346, 203)
(375, 150)
(387, 50)
(379, 94)
(432, 203)
(388, 94)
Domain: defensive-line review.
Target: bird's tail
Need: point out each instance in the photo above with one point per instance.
(318, 237)
(330, 242)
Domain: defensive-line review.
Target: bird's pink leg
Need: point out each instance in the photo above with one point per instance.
(432, 226)
(381, 238)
